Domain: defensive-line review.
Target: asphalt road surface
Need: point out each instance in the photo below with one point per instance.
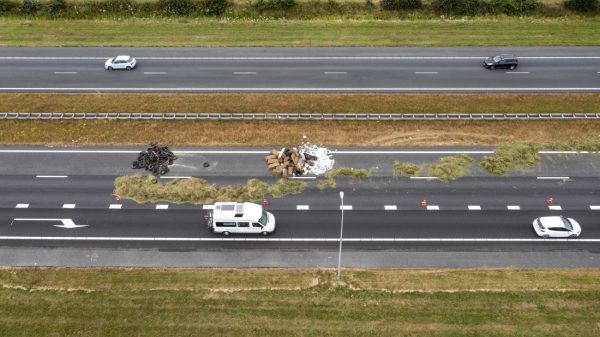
(448, 69)
(56, 208)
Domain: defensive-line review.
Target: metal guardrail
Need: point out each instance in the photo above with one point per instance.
(294, 116)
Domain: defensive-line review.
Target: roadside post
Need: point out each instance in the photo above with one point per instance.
(341, 236)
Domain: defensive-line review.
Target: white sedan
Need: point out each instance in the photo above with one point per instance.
(120, 62)
(556, 227)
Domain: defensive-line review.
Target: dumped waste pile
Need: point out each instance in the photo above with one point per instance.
(295, 162)
(155, 159)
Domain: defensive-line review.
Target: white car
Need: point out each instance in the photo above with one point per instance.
(556, 227)
(120, 62)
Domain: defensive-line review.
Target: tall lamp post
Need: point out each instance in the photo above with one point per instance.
(339, 266)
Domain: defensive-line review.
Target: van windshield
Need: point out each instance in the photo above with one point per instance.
(263, 219)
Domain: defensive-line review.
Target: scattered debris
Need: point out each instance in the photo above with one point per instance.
(155, 159)
(293, 162)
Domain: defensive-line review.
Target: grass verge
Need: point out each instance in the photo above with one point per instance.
(451, 168)
(316, 103)
(238, 133)
(213, 32)
(151, 302)
(198, 191)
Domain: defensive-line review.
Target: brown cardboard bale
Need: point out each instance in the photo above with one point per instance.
(272, 160)
(290, 171)
(284, 174)
(278, 169)
(273, 165)
(274, 152)
(270, 157)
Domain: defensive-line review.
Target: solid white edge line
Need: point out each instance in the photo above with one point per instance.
(474, 208)
(513, 207)
(115, 206)
(293, 57)
(175, 177)
(162, 206)
(68, 205)
(335, 72)
(433, 207)
(517, 72)
(302, 207)
(253, 239)
(22, 206)
(65, 72)
(555, 208)
(425, 178)
(595, 207)
(155, 72)
(390, 207)
(302, 178)
(305, 89)
(551, 178)
(244, 72)
(426, 72)
(266, 151)
(61, 177)
(346, 207)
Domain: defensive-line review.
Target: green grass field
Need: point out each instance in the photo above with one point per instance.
(212, 32)
(209, 302)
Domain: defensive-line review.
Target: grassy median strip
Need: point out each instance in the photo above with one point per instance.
(282, 302)
(306, 103)
(232, 32)
(276, 133)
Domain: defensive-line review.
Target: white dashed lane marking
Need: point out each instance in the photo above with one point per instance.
(474, 208)
(162, 206)
(115, 206)
(68, 206)
(426, 72)
(22, 206)
(346, 207)
(208, 207)
(58, 177)
(555, 208)
(595, 207)
(513, 207)
(390, 207)
(302, 207)
(433, 208)
(65, 72)
(553, 178)
(335, 73)
(245, 73)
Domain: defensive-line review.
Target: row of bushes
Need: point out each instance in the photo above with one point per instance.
(218, 7)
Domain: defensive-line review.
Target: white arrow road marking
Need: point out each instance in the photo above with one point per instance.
(66, 223)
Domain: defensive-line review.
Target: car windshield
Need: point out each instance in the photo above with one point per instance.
(567, 223)
(264, 219)
(129, 60)
(497, 58)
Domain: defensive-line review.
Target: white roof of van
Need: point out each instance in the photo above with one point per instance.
(237, 211)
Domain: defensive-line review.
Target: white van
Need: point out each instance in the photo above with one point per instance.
(243, 218)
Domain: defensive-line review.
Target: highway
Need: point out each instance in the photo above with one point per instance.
(56, 208)
(433, 69)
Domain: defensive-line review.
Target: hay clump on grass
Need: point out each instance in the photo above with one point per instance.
(509, 157)
(284, 187)
(588, 143)
(326, 183)
(198, 191)
(405, 169)
(451, 168)
(349, 172)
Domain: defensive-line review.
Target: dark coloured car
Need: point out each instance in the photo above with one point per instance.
(508, 61)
